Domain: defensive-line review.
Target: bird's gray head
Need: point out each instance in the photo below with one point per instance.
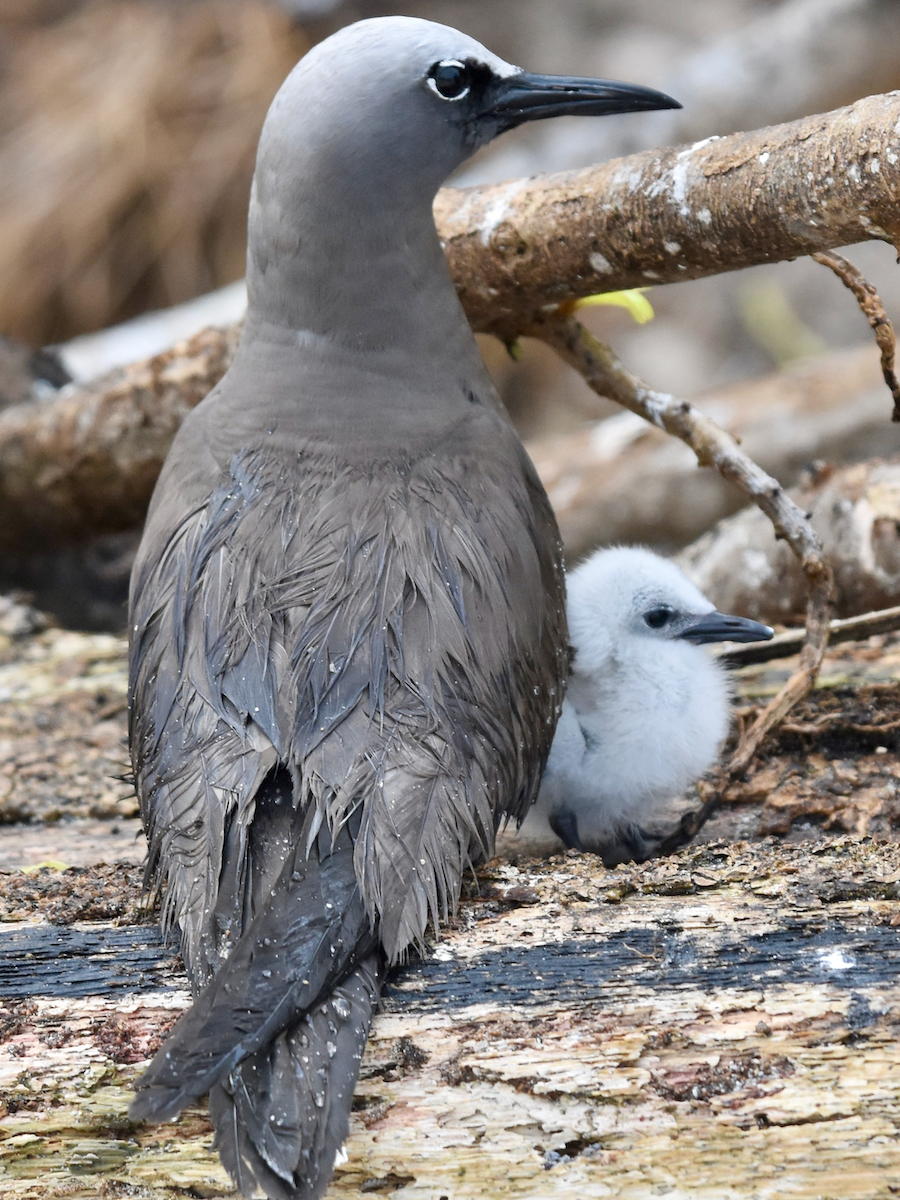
(368, 126)
(402, 101)
(628, 596)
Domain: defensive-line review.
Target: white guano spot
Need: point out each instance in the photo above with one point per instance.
(629, 178)
(651, 274)
(672, 247)
(836, 960)
(891, 157)
(764, 157)
(674, 181)
(704, 216)
(853, 172)
(875, 167)
(655, 406)
(600, 264)
(497, 210)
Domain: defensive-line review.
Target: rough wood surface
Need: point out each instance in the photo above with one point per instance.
(86, 461)
(683, 212)
(721, 1025)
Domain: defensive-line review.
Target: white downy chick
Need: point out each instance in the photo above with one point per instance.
(647, 708)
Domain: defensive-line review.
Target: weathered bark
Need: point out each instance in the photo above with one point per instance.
(86, 462)
(513, 249)
(727, 1018)
(674, 214)
(855, 510)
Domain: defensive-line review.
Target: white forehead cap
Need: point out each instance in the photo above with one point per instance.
(399, 45)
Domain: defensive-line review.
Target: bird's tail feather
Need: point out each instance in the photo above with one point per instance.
(281, 1115)
(311, 934)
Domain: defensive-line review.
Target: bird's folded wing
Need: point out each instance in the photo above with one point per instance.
(374, 634)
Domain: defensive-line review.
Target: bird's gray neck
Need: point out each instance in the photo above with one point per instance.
(362, 275)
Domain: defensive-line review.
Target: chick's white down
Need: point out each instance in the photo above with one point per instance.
(647, 709)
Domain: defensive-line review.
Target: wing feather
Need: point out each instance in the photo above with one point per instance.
(387, 636)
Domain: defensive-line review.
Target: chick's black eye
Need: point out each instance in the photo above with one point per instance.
(451, 79)
(657, 617)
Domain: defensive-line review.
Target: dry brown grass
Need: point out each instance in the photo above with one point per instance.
(127, 135)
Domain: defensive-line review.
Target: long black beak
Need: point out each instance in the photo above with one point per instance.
(718, 627)
(526, 97)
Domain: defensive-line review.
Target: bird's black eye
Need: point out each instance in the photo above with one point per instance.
(659, 616)
(451, 79)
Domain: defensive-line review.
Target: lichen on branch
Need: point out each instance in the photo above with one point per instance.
(682, 212)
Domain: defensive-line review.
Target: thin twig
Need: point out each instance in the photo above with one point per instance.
(873, 310)
(785, 645)
(606, 375)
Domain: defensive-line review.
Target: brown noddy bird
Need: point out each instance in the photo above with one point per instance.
(348, 639)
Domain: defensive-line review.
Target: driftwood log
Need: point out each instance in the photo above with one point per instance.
(721, 1024)
(856, 512)
(513, 249)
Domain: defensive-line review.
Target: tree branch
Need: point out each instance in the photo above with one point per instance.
(714, 447)
(873, 310)
(785, 645)
(674, 214)
(86, 462)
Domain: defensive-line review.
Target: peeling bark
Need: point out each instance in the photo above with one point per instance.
(728, 1018)
(679, 213)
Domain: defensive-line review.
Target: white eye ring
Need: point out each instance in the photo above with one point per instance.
(432, 83)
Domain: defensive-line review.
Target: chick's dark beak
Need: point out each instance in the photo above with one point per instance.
(526, 97)
(719, 627)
